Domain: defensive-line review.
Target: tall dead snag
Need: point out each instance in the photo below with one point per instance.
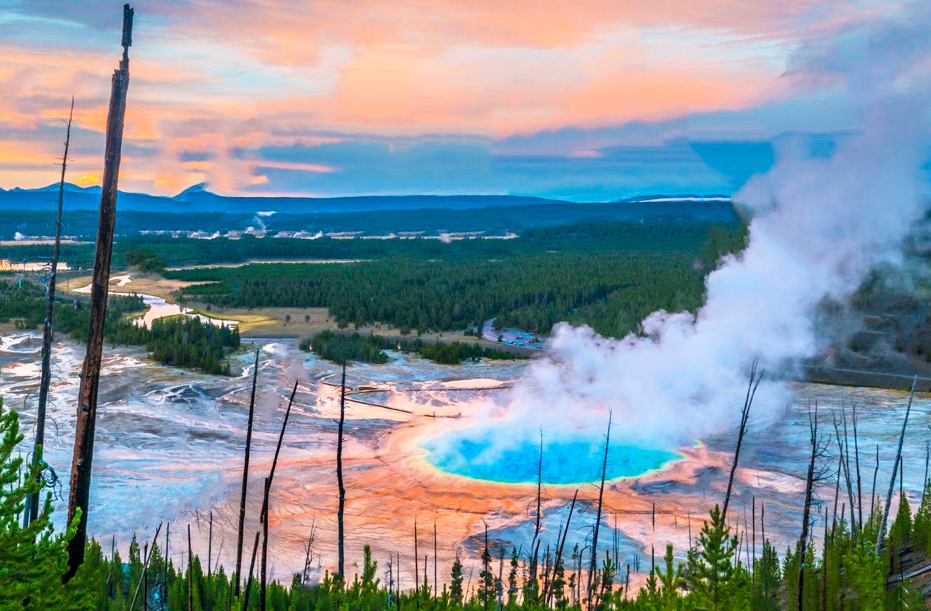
(210, 547)
(536, 530)
(81, 462)
(190, 572)
(875, 474)
(601, 491)
(245, 476)
(245, 595)
(548, 592)
(46, 379)
(856, 454)
(339, 476)
(264, 513)
(754, 379)
(845, 463)
(895, 470)
(145, 567)
(815, 474)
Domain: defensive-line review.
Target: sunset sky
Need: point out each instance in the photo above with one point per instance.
(583, 100)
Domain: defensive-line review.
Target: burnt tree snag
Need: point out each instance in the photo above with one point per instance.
(33, 503)
(339, 477)
(264, 512)
(245, 477)
(601, 491)
(895, 469)
(754, 379)
(82, 461)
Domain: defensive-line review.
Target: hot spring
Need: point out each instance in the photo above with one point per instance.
(565, 461)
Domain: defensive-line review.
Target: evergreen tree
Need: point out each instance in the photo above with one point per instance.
(32, 559)
(716, 583)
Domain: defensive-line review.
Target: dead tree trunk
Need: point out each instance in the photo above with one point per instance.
(145, 566)
(210, 547)
(46, 379)
(806, 513)
(436, 586)
(875, 474)
(237, 576)
(339, 475)
(416, 569)
(856, 455)
(601, 491)
(752, 385)
(82, 460)
(536, 530)
(245, 595)
(895, 469)
(548, 593)
(190, 572)
(843, 465)
(264, 513)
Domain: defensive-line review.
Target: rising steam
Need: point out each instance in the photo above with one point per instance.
(819, 224)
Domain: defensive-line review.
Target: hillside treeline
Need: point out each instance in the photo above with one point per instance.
(181, 251)
(341, 347)
(609, 276)
(24, 303)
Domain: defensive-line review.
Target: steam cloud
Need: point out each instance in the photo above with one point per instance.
(819, 224)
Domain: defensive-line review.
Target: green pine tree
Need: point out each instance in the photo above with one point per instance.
(32, 559)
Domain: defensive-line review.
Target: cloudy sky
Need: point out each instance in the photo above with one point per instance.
(583, 100)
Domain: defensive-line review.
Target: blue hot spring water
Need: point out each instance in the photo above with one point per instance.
(576, 461)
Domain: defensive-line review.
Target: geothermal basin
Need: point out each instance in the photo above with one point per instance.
(169, 449)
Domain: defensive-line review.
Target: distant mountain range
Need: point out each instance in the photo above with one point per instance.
(199, 199)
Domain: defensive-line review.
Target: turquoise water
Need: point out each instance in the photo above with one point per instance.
(564, 462)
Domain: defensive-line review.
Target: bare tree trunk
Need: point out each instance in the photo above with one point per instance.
(763, 535)
(806, 513)
(263, 568)
(875, 473)
(255, 549)
(895, 468)
(190, 572)
(853, 518)
(339, 474)
(264, 512)
(547, 594)
(145, 580)
(237, 576)
(416, 568)
(165, 580)
(144, 567)
(436, 585)
(33, 502)
(753, 534)
(536, 530)
(853, 501)
(210, 547)
(82, 460)
(601, 490)
(753, 383)
(856, 453)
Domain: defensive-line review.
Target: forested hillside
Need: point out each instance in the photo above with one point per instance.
(608, 275)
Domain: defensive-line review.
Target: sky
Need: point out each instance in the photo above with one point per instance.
(589, 100)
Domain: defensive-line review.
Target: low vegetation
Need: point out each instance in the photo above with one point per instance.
(340, 347)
